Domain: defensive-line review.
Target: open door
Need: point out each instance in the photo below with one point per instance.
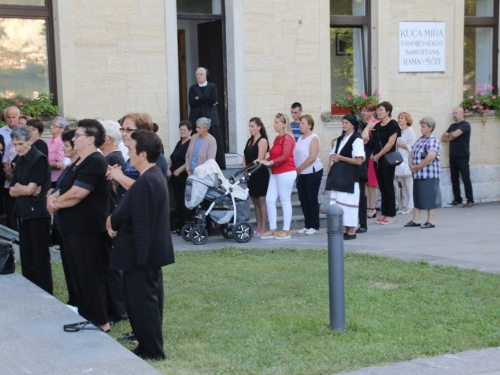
(211, 56)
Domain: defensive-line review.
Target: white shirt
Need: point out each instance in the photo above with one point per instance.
(358, 148)
(301, 153)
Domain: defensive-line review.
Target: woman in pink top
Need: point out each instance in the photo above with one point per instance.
(55, 145)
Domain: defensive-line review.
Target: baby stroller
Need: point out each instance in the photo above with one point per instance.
(218, 202)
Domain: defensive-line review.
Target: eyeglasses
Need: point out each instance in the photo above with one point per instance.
(81, 135)
(127, 130)
(55, 126)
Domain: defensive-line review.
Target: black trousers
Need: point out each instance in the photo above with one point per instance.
(385, 178)
(220, 157)
(308, 189)
(143, 291)
(34, 240)
(113, 280)
(69, 281)
(179, 188)
(88, 262)
(459, 165)
(363, 203)
(10, 203)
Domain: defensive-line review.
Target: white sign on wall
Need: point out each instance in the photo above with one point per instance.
(421, 46)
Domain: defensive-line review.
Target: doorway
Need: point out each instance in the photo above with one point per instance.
(201, 43)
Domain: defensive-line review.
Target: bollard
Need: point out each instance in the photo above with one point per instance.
(335, 230)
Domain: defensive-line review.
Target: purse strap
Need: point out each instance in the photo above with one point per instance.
(11, 240)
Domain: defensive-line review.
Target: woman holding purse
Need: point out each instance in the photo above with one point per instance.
(403, 172)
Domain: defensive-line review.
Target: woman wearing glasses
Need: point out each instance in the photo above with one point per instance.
(283, 175)
(126, 177)
(82, 204)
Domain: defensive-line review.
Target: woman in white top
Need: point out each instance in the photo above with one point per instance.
(403, 172)
(309, 174)
(343, 180)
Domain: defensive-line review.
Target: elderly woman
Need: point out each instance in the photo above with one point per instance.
(385, 132)
(403, 172)
(203, 103)
(424, 164)
(256, 148)
(310, 173)
(55, 144)
(30, 185)
(126, 177)
(283, 175)
(346, 157)
(82, 204)
(202, 146)
(36, 127)
(179, 175)
(143, 244)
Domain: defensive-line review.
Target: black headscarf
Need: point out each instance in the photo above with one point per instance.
(353, 120)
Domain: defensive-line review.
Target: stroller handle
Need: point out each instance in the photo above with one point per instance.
(240, 171)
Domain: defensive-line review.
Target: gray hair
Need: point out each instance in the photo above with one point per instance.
(205, 122)
(429, 121)
(63, 123)
(11, 107)
(112, 129)
(22, 133)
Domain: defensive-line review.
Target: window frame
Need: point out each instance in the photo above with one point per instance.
(487, 22)
(364, 24)
(38, 12)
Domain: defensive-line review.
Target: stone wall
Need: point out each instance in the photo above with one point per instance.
(111, 58)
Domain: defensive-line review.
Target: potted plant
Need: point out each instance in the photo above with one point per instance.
(484, 100)
(353, 102)
(41, 108)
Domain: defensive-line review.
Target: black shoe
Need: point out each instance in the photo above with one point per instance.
(468, 205)
(349, 237)
(456, 203)
(411, 224)
(127, 336)
(362, 229)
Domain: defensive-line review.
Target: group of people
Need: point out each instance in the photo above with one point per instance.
(111, 212)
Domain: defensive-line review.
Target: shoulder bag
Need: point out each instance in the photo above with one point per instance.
(7, 259)
(392, 159)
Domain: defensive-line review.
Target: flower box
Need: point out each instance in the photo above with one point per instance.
(338, 110)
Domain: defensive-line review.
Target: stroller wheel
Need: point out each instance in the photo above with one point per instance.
(226, 231)
(186, 232)
(199, 236)
(242, 232)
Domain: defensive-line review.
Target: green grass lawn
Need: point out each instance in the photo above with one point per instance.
(234, 311)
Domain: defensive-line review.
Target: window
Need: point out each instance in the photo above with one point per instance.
(349, 46)
(26, 48)
(480, 44)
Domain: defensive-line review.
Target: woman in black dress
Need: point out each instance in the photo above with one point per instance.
(256, 148)
(203, 103)
(178, 173)
(36, 127)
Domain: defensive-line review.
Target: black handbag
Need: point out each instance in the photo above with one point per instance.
(7, 258)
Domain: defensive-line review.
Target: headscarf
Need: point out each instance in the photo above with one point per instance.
(353, 120)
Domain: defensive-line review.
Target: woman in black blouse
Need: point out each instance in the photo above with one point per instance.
(203, 103)
(384, 133)
(36, 127)
(82, 204)
(179, 175)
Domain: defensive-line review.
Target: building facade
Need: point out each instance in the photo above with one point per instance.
(108, 58)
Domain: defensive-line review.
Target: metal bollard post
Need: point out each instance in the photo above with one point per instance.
(335, 230)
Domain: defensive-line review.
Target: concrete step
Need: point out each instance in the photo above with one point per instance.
(297, 221)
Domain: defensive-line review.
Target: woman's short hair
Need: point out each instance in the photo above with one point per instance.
(93, 128)
(149, 142)
(205, 122)
(112, 129)
(429, 121)
(387, 106)
(68, 135)
(62, 122)
(35, 123)
(187, 124)
(370, 106)
(407, 116)
(142, 121)
(21, 133)
(309, 120)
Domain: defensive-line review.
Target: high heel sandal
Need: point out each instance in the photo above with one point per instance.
(374, 214)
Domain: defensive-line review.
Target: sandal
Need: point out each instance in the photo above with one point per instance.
(268, 235)
(411, 224)
(374, 214)
(387, 220)
(428, 225)
(283, 235)
(380, 219)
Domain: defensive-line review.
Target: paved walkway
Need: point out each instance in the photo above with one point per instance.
(32, 340)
